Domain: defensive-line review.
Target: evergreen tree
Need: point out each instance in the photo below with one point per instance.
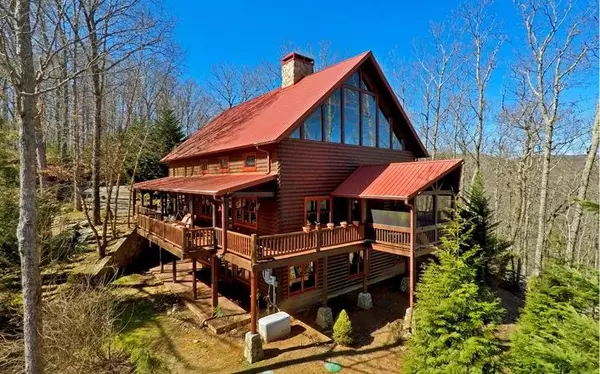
(455, 318)
(558, 329)
(168, 133)
(492, 250)
(342, 329)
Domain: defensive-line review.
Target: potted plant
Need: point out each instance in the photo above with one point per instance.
(331, 225)
(356, 223)
(306, 227)
(344, 224)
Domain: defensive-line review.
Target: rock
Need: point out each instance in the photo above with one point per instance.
(195, 341)
(365, 301)
(253, 351)
(324, 318)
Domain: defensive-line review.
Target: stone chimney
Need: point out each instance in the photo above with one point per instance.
(294, 67)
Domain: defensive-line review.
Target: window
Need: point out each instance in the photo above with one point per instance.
(317, 210)
(203, 167)
(295, 134)
(351, 117)
(204, 207)
(356, 263)
(224, 164)
(353, 80)
(302, 278)
(245, 212)
(384, 131)
(332, 111)
(396, 142)
(369, 120)
(312, 126)
(249, 162)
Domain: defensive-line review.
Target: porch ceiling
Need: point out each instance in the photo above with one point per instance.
(394, 181)
(212, 184)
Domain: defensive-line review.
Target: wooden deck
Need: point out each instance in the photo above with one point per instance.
(280, 249)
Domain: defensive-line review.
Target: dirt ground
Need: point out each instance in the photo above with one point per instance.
(187, 347)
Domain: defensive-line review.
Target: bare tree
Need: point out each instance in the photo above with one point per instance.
(559, 47)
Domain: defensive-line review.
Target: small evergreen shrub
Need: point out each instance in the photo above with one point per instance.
(342, 329)
(558, 329)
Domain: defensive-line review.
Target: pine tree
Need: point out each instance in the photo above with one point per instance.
(342, 329)
(492, 250)
(168, 133)
(455, 317)
(558, 329)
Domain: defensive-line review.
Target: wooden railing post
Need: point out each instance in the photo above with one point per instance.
(319, 237)
(253, 248)
(183, 239)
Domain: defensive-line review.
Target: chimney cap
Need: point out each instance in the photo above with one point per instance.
(296, 56)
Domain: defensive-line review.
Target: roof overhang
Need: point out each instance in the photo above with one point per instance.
(395, 181)
(210, 184)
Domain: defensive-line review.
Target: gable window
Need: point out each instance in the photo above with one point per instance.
(397, 143)
(317, 210)
(249, 162)
(383, 141)
(356, 263)
(353, 80)
(312, 126)
(332, 111)
(245, 213)
(351, 117)
(224, 164)
(295, 134)
(302, 278)
(368, 119)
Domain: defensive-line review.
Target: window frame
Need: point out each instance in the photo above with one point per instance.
(303, 267)
(319, 199)
(241, 223)
(220, 166)
(203, 203)
(360, 273)
(249, 168)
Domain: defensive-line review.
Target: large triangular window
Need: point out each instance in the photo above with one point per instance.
(351, 115)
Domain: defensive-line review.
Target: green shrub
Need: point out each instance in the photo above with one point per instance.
(342, 329)
(455, 316)
(558, 330)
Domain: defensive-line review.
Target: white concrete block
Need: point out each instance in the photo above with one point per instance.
(274, 326)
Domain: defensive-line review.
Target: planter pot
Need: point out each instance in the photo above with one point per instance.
(306, 228)
(331, 225)
(356, 223)
(344, 224)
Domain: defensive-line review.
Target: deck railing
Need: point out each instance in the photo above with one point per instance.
(199, 237)
(393, 235)
(148, 212)
(427, 235)
(239, 243)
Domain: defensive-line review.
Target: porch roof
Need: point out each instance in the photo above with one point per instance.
(394, 181)
(211, 184)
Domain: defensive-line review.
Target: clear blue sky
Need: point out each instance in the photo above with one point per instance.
(248, 32)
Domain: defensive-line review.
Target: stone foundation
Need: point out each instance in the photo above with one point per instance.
(325, 318)
(365, 301)
(253, 351)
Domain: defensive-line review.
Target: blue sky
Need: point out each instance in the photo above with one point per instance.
(248, 32)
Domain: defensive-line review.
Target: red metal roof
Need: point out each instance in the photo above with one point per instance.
(213, 184)
(270, 117)
(399, 181)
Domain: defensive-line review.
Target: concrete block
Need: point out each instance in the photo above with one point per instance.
(253, 351)
(274, 326)
(364, 300)
(325, 318)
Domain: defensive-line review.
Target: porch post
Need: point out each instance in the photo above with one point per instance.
(214, 212)
(214, 280)
(194, 285)
(435, 216)
(253, 292)
(363, 210)
(224, 222)
(174, 269)
(325, 285)
(411, 285)
(367, 261)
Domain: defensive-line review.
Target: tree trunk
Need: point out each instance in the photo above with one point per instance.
(26, 118)
(40, 143)
(584, 182)
(541, 229)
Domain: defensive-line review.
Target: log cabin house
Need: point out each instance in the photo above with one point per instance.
(316, 185)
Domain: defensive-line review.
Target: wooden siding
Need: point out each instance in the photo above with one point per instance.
(193, 166)
(383, 266)
(309, 168)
